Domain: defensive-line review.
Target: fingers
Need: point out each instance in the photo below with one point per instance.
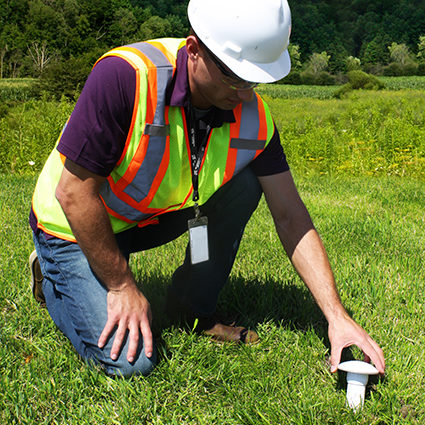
(133, 343)
(121, 330)
(134, 339)
(371, 351)
(107, 330)
(118, 340)
(335, 358)
(349, 333)
(147, 337)
(376, 355)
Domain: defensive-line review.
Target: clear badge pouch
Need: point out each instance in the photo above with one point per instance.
(198, 239)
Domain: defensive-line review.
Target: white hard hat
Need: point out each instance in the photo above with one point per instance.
(250, 36)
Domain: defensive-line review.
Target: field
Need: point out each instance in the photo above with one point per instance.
(370, 214)
(16, 89)
(368, 133)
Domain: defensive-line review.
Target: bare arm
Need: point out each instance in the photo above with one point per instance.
(307, 253)
(128, 309)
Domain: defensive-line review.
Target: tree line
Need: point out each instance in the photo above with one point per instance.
(36, 33)
(378, 36)
(48, 37)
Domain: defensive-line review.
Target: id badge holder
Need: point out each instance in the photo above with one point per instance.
(198, 239)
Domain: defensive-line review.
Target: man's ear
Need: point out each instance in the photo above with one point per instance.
(192, 47)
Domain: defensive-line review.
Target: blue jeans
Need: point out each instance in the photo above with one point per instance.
(76, 299)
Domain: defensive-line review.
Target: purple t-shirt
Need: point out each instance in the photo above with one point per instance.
(95, 135)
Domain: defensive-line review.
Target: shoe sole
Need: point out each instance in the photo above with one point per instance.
(35, 288)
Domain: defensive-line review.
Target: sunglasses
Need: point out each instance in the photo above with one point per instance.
(228, 77)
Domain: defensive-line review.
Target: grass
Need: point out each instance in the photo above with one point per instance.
(28, 132)
(402, 83)
(368, 133)
(359, 165)
(16, 89)
(374, 232)
(288, 91)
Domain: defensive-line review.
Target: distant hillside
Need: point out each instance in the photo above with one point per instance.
(36, 33)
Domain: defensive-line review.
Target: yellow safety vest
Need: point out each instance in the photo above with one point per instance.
(153, 175)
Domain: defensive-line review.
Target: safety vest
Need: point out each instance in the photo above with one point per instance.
(153, 175)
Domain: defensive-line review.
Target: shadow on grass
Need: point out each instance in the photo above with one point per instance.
(286, 304)
(250, 303)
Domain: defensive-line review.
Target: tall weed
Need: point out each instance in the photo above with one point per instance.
(369, 133)
(28, 133)
(402, 83)
(287, 91)
(16, 90)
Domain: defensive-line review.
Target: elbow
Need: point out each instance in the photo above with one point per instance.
(290, 222)
(63, 196)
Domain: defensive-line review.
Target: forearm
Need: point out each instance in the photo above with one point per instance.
(90, 224)
(310, 260)
(92, 229)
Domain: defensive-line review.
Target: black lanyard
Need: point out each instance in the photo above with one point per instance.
(196, 153)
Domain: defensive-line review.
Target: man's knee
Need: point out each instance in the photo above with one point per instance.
(123, 368)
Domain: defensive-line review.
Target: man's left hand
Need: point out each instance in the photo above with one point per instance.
(346, 332)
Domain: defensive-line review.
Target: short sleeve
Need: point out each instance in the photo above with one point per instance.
(95, 135)
(272, 160)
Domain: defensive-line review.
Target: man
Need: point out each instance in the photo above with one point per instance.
(169, 134)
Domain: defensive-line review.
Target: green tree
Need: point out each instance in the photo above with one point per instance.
(124, 26)
(421, 49)
(400, 53)
(352, 63)
(295, 55)
(154, 27)
(338, 54)
(12, 44)
(318, 62)
(44, 23)
(376, 51)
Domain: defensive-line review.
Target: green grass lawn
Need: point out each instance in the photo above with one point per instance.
(374, 232)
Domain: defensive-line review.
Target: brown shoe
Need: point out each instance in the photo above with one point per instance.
(227, 332)
(222, 332)
(216, 327)
(36, 279)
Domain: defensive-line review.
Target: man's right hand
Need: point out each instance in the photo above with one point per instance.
(128, 310)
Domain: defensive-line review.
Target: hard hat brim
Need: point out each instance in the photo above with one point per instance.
(258, 72)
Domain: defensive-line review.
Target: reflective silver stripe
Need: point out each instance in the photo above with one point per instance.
(250, 125)
(120, 207)
(247, 144)
(157, 130)
(164, 71)
(164, 75)
(139, 188)
(154, 54)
